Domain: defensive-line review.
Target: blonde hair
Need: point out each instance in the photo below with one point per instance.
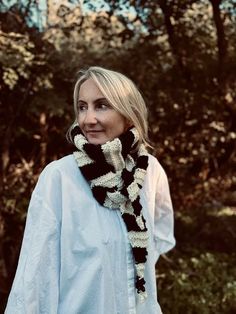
(122, 95)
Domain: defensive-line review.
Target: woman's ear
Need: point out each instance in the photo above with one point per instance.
(129, 124)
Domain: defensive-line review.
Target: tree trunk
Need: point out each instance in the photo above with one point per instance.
(173, 41)
(44, 136)
(5, 158)
(221, 39)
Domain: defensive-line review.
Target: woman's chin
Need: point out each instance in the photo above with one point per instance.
(96, 140)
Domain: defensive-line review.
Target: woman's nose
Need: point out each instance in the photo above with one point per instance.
(90, 117)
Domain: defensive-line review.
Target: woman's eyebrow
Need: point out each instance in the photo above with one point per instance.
(95, 101)
(81, 101)
(101, 99)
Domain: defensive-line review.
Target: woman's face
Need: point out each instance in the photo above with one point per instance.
(98, 121)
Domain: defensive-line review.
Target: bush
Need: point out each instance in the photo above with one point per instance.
(198, 284)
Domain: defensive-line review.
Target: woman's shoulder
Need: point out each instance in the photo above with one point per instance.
(59, 169)
(64, 164)
(154, 164)
(155, 172)
(56, 172)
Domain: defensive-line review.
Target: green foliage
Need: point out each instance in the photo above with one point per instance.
(199, 275)
(16, 57)
(202, 283)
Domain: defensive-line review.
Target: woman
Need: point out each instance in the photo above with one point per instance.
(98, 219)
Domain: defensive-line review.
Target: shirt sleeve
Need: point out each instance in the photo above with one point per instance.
(164, 217)
(36, 285)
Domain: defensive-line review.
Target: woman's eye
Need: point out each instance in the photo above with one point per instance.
(81, 108)
(102, 106)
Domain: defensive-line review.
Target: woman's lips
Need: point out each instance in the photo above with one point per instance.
(93, 131)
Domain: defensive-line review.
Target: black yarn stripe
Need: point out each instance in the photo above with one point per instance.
(137, 206)
(100, 193)
(131, 223)
(139, 254)
(124, 192)
(140, 284)
(93, 171)
(75, 131)
(134, 153)
(142, 162)
(127, 140)
(95, 153)
(127, 176)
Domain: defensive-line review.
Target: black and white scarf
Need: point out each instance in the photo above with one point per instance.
(115, 171)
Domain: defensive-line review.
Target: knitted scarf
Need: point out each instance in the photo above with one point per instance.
(115, 172)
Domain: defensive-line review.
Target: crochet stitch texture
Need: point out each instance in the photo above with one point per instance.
(116, 171)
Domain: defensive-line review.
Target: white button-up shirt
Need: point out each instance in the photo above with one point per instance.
(76, 257)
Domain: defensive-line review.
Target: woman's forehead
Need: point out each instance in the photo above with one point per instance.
(89, 89)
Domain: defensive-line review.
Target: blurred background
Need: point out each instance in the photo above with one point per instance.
(182, 56)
